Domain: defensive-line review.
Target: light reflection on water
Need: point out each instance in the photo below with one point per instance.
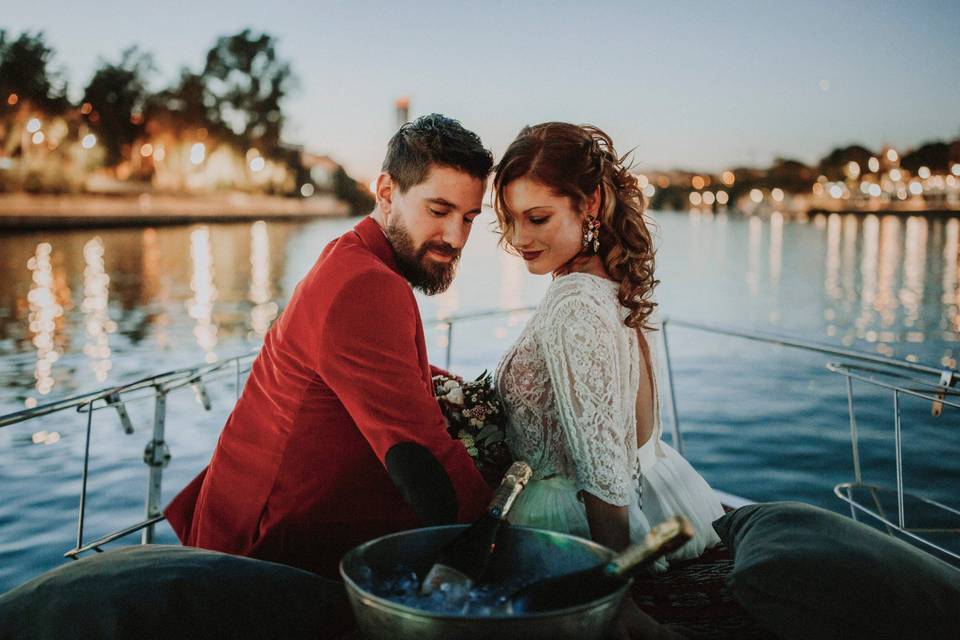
(83, 309)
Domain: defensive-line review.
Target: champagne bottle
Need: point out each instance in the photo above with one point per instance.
(464, 559)
(575, 588)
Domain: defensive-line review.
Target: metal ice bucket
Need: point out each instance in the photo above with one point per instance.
(523, 555)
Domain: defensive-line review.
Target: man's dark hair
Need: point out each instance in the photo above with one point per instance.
(434, 140)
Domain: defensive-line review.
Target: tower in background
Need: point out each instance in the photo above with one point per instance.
(403, 111)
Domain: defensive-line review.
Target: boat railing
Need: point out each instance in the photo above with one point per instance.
(901, 378)
(938, 386)
(156, 453)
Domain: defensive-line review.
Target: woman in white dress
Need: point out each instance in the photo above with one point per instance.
(578, 386)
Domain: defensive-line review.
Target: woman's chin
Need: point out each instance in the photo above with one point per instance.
(537, 269)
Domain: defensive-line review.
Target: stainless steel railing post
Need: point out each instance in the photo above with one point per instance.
(156, 456)
(899, 456)
(854, 443)
(82, 511)
(449, 344)
(675, 419)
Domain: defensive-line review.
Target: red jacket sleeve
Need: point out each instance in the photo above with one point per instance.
(369, 358)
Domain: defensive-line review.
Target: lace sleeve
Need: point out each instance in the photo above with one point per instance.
(579, 346)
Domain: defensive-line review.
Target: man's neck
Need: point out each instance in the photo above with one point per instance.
(379, 217)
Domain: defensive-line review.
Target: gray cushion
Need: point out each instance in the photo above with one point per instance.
(160, 591)
(805, 572)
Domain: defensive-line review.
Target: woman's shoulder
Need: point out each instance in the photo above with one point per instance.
(581, 296)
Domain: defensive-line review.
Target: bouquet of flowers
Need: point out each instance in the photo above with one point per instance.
(475, 418)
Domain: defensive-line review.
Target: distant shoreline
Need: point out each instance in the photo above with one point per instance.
(26, 212)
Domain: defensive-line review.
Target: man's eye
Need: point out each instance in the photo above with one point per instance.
(470, 220)
(439, 214)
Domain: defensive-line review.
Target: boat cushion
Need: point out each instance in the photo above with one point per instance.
(161, 591)
(805, 572)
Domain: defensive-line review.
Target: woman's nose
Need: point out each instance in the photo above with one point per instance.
(518, 238)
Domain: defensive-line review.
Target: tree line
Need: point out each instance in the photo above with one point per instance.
(236, 98)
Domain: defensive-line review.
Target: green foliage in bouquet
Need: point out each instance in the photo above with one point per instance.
(475, 418)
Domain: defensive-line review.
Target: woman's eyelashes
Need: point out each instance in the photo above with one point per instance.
(538, 220)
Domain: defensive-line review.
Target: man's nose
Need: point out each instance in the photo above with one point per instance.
(455, 232)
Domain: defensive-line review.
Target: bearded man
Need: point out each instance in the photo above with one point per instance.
(337, 437)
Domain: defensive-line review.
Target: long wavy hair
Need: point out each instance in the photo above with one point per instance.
(574, 161)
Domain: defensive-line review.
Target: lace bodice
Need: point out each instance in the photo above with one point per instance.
(569, 389)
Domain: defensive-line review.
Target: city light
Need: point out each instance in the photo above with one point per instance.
(728, 178)
(756, 195)
(873, 164)
(257, 164)
(777, 194)
(89, 141)
(38, 137)
(695, 198)
(916, 188)
(853, 170)
(836, 191)
(709, 198)
(86, 108)
(306, 190)
(13, 99)
(892, 155)
(722, 197)
(649, 190)
(698, 182)
(642, 181)
(197, 153)
(923, 173)
(955, 169)
(895, 175)
(875, 190)
(817, 189)
(33, 125)
(146, 150)
(159, 153)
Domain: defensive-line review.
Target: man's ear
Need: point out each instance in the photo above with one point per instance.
(384, 192)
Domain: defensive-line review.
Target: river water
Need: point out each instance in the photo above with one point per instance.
(81, 310)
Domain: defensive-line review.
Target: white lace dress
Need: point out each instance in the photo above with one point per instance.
(569, 387)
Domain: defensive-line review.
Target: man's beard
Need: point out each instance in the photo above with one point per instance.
(423, 274)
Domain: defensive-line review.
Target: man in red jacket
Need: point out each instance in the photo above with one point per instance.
(337, 437)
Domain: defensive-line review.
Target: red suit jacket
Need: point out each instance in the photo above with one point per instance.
(298, 474)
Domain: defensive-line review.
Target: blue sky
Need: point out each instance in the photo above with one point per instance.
(701, 85)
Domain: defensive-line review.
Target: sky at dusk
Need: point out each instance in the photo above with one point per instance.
(698, 85)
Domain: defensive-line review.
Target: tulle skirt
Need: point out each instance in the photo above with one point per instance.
(670, 487)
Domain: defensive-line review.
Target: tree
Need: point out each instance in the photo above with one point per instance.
(118, 95)
(933, 155)
(791, 175)
(834, 164)
(248, 82)
(24, 72)
(350, 191)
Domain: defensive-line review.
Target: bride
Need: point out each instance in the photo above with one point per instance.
(578, 386)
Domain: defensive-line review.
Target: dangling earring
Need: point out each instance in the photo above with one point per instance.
(591, 234)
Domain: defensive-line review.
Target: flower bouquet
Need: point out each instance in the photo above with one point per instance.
(475, 418)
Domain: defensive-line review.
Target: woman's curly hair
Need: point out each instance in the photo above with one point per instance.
(574, 161)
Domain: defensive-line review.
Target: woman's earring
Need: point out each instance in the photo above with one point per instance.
(591, 234)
